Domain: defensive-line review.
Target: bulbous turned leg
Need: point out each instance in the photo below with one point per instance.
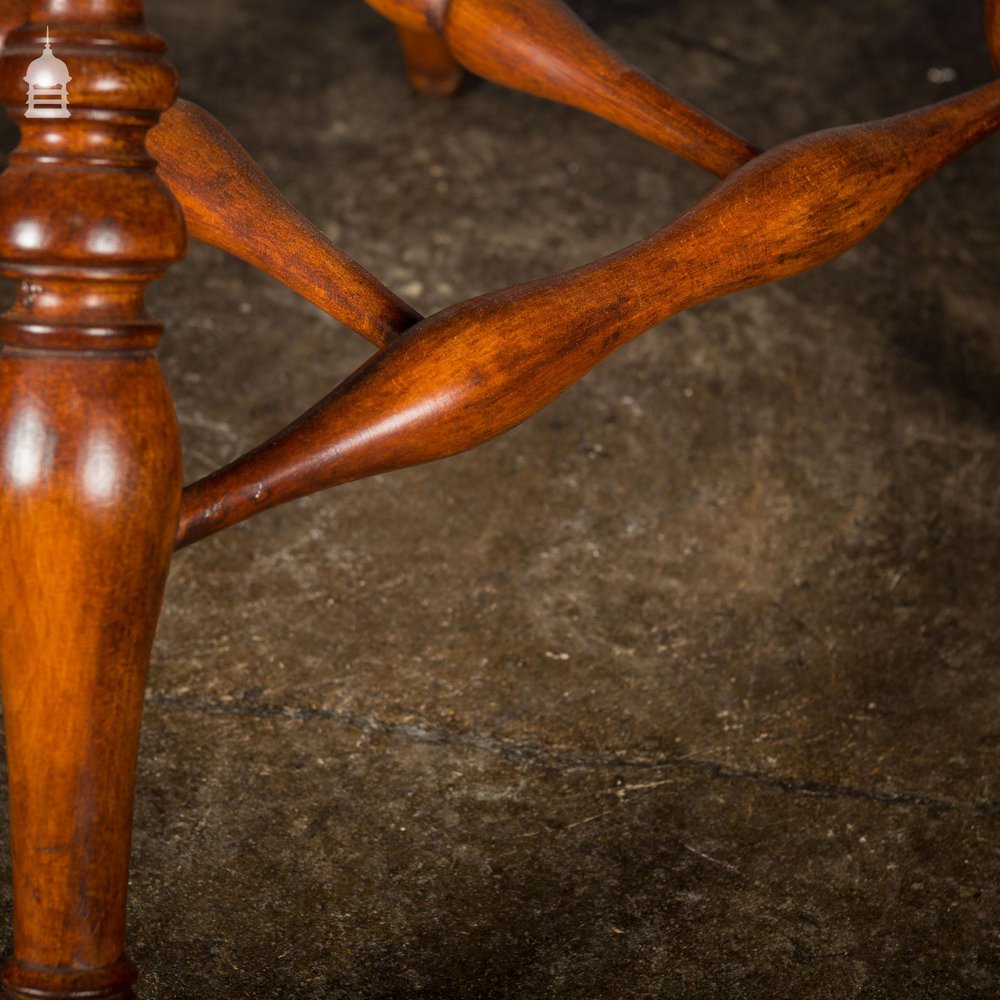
(90, 484)
(431, 66)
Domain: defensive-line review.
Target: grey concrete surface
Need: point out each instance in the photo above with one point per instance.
(687, 687)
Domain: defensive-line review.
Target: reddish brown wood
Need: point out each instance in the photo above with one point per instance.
(542, 48)
(13, 13)
(478, 369)
(89, 484)
(229, 202)
(431, 66)
(991, 10)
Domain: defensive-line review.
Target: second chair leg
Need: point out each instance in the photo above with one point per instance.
(431, 66)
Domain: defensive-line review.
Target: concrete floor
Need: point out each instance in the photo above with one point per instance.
(687, 687)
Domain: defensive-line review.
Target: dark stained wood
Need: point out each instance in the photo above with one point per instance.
(429, 63)
(541, 47)
(229, 202)
(991, 10)
(89, 484)
(476, 370)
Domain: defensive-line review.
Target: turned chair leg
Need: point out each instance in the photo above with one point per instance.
(90, 484)
(431, 66)
(91, 477)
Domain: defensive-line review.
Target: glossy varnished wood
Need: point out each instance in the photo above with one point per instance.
(89, 484)
(229, 202)
(476, 370)
(90, 497)
(541, 47)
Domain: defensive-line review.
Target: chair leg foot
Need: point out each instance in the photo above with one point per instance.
(112, 982)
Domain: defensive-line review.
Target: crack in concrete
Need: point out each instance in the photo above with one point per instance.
(561, 759)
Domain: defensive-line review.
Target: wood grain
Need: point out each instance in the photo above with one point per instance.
(90, 471)
(230, 203)
(541, 47)
(476, 370)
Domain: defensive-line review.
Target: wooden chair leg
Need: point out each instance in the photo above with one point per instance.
(541, 47)
(431, 67)
(86, 526)
(89, 485)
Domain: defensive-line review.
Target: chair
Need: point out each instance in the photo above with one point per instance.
(95, 206)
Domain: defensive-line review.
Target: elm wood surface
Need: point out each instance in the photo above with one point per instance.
(429, 63)
(478, 369)
(89, 484)
(230, 203)
(543, 48)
